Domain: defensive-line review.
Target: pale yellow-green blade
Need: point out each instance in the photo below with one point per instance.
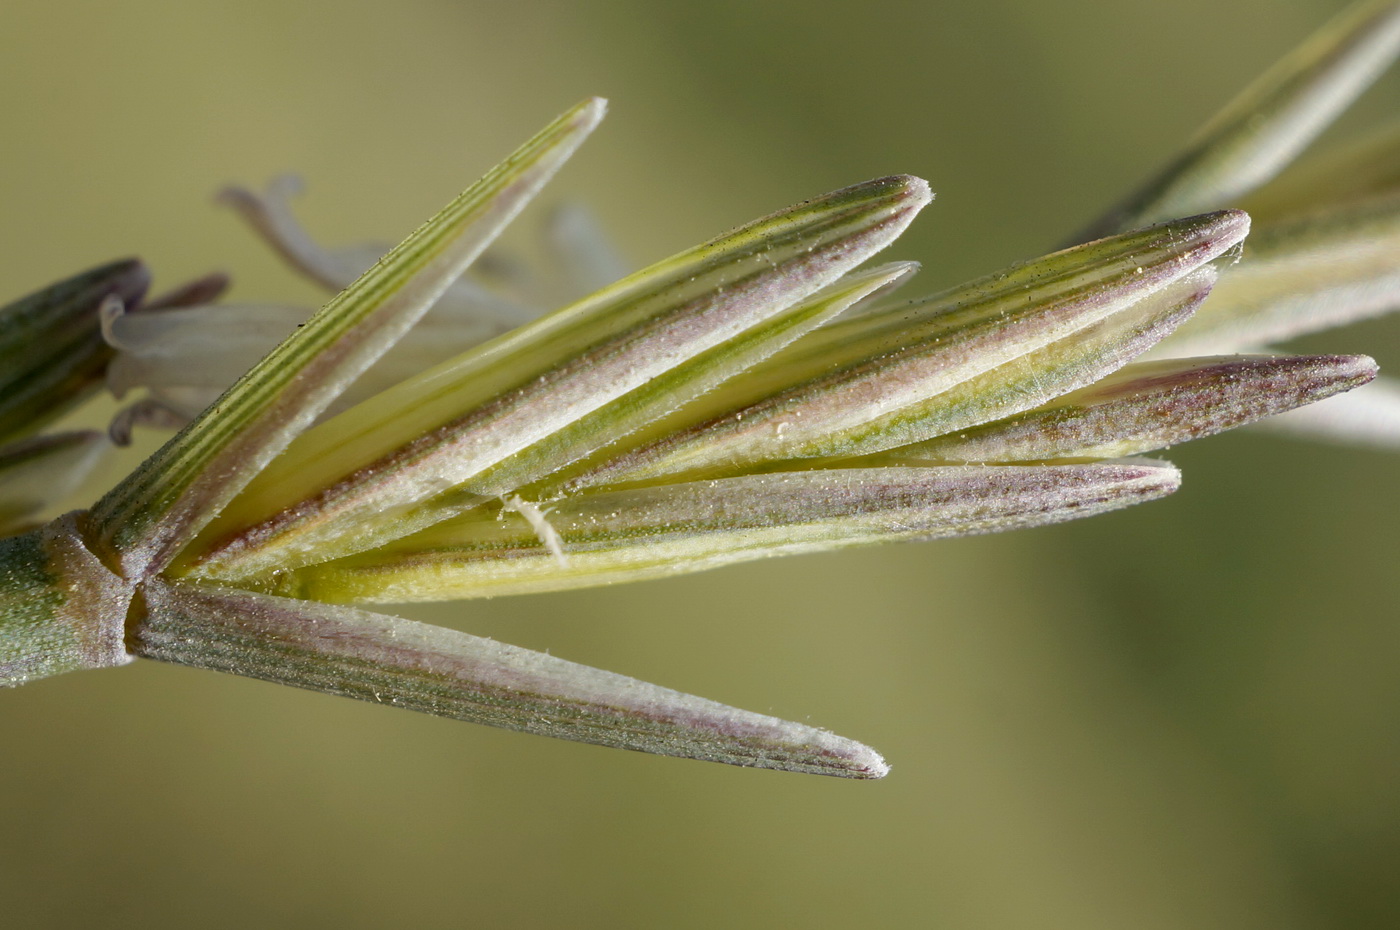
(43, 471)
(400, 663)
(1149, 406)
(150, 516)
(1311, 273)
(378, 471)
(600, 538)
(1272, 120)
(882, 385)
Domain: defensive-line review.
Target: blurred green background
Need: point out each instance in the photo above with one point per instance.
(1183, 715)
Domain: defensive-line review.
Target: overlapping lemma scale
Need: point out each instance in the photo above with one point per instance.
(387, 467)
(988, 349)
(607, 537)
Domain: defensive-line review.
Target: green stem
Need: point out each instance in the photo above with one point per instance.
(61, 609)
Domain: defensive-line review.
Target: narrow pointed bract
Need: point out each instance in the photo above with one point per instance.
(391, 466)
(1270, 122)
(869, 393)
(1324, 250)
(150, 516)
(671, 529)
(400, 663)
(1150, 406)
